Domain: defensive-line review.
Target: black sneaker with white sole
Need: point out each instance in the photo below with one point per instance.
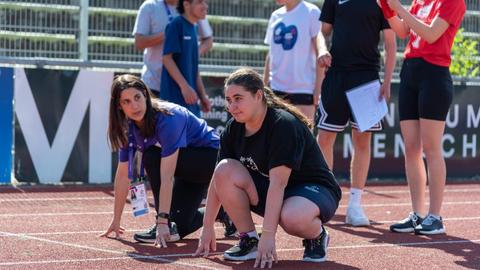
(150, 235)
(430, 225)
(316, 249)
(407, 225)
(246, 249)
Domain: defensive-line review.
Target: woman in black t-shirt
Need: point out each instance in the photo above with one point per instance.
(269, 163)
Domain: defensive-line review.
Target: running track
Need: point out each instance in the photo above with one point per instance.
(57, 228)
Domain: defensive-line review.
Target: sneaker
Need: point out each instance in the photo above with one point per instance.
(316, 249)
(407, 225)
(246, 249)
(430, 225)
(356, 217)
(230, 229)
(150, 235)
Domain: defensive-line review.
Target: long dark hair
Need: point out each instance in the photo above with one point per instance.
(252, 82)
(118, 121)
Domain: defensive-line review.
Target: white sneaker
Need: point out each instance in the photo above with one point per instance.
(356, 217)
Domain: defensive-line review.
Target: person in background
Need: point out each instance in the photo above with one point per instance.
(181, 82)
(353, 60)
(291, 66)
(149, 32)
(426, 92)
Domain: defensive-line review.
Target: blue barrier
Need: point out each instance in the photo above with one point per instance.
(6, 123)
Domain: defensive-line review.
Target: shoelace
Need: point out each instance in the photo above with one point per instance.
(244, 241)
(413, 218)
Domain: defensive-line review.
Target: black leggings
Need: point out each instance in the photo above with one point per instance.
(193, 173)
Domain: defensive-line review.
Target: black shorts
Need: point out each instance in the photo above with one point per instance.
(426, 90)
(320, 195)
(334, 112)
(295, 99)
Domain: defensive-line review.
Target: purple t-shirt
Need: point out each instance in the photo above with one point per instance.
(177, 130)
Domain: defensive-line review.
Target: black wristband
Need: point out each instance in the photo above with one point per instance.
(163, 215)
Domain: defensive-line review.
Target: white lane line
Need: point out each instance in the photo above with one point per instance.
(163, 257)
(367, 192)
(60, 214)
(110, 212)
(135, 256)
(58, 199)
(220, 227)
(409, 204)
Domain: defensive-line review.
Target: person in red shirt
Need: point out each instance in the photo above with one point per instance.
(426, 91)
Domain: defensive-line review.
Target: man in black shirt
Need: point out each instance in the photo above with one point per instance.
(353, 60)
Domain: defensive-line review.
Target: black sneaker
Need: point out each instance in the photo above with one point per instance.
(150, 235)
(430, 225)
(230, 229)
(407, 225)
(316, 249)
(246, 249)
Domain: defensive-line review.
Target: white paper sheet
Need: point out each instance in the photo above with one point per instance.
(366, 106)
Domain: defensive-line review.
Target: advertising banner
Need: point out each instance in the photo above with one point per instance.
(6, 121)
(61, 126)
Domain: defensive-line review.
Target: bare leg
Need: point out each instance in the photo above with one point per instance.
(414, 165)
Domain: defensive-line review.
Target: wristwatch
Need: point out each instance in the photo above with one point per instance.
(163, 215)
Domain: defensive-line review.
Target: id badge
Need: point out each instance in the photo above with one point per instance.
(138, 198)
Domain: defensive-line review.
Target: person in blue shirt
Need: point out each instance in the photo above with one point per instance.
(181, 82)
(174, 143)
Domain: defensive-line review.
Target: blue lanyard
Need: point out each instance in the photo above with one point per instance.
(169, 13)
(131, 155)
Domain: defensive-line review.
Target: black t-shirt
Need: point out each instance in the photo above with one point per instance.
(356, 33)
(281, 140)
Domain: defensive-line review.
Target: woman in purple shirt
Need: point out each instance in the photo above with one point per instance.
(174, 143)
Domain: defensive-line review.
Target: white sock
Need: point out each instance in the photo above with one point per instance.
(355, 197)
(253, 234)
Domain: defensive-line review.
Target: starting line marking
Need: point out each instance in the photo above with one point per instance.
(375, 222)
(163, 258)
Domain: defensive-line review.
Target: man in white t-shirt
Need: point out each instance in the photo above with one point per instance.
(152, 19)
(290, 67)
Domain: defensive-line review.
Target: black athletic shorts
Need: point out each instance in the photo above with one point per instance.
(334, 112)
(426, 90)
(295, 99)
(314, 192)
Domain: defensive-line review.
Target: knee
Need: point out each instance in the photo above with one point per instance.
(361, 143)
(413, 147)
(221, 172)
(432, 150)
(293, 221)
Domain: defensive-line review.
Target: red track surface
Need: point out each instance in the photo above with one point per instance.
(57, 228)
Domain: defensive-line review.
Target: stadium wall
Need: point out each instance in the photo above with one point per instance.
(61, 119)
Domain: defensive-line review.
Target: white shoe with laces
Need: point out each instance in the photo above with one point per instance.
(356, 217)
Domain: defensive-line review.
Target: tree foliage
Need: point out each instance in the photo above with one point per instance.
(465, 56)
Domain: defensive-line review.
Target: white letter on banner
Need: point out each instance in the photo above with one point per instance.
(390, 116)
(451, 139)
(379, 145)
(469, 145)
(90, 89)
(398, 146)
(453, 123)
(472, 120)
